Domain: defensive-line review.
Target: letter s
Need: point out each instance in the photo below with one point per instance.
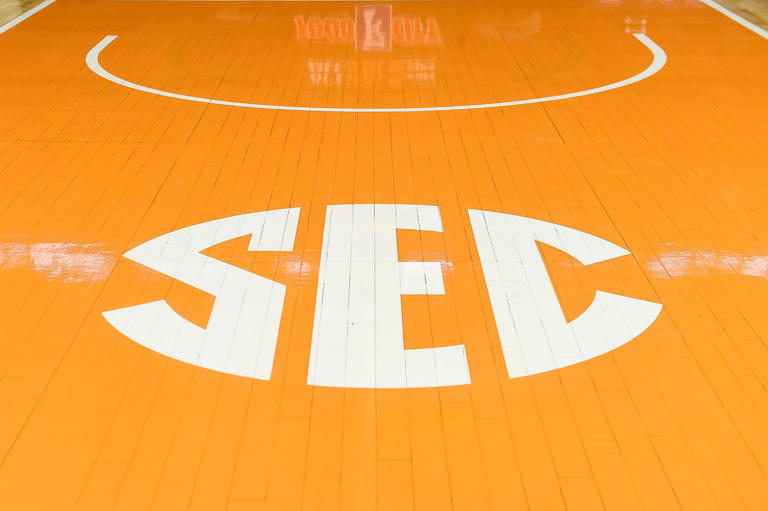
(241, 334)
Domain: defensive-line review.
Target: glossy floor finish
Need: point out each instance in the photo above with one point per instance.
(580, 319)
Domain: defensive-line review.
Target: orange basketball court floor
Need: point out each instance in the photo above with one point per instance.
(445, 255)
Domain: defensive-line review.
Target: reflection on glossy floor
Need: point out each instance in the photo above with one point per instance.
(412, 255)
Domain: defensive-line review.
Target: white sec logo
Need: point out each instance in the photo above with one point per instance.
(357, 338)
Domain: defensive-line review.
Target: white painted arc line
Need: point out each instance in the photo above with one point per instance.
(735, 17)
(659, 60)
(19, 19)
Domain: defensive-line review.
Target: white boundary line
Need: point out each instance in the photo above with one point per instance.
(659, 59)
(25, 15)
(735, 17)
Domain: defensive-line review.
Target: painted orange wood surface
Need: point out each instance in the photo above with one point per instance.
(674, 168)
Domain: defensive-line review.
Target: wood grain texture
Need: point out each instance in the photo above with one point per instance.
(755, 11)
(11, 9)
(672, 169)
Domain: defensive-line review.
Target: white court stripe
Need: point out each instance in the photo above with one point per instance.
(659, 60)
(735, 17)
(26, 15)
